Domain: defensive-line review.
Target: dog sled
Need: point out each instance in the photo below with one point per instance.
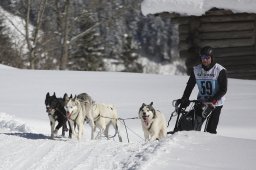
(191, 117)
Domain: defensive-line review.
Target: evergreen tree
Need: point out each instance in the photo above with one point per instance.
(87, 54)
(129, 56)
(149, 36)
(8, 55)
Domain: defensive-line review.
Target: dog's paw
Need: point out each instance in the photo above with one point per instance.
(74, 136)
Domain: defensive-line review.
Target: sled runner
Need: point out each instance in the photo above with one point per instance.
(191, 119)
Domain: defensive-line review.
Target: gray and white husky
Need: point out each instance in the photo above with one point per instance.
(153, 122)
(78, 109)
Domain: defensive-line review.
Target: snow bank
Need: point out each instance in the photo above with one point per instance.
(8, 122)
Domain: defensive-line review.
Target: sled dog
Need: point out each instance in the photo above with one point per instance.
(78, 109)
(56, 112)
(105, 115)
(153, 122)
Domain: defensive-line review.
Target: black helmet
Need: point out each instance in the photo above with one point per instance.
(207, 50)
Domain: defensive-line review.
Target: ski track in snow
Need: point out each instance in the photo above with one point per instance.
(24, 148)
(63, 153)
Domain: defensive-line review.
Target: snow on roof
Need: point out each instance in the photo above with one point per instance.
(196, 7)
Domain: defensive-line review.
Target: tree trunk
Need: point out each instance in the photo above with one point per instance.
(65, 45)
(32, 38)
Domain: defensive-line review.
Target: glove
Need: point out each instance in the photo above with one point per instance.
(213, 100)
(184, 102)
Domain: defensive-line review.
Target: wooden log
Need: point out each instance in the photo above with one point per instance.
(251, 59)
(236, 26)
(229, 52)
(228, 18)
(235, 66)
(234, 51)
(226, 35)
(242, 75)
(181, 20)
(241, 58)
(227, 43)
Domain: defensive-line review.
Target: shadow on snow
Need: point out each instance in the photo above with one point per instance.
(32, 136)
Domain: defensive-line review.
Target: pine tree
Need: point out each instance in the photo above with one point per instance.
(87, 54)
(8, 55)
(129, 56)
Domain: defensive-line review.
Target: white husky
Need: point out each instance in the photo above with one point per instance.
(153, 122)
(78, 109)
(104, 115)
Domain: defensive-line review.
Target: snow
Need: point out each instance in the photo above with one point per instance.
(196, 7)
(25, 129)
(177, 67)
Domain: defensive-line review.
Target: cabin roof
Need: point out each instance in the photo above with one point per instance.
(196, 7)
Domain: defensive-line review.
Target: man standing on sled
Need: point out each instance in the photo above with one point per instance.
(211, 79)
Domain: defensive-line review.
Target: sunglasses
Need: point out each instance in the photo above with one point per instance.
(205, 57)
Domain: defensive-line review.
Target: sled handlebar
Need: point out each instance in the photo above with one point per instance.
(175, 103)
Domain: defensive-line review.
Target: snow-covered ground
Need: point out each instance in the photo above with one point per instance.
(25, 129)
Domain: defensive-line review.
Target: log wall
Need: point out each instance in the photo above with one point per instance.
(233, 37)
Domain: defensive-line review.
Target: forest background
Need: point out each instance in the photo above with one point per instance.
(88, 36)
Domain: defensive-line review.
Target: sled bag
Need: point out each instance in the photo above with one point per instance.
(190, 121)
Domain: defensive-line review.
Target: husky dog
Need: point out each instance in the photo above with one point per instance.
(78, 109)
(103, 116)
(153, 122)
(56, 112)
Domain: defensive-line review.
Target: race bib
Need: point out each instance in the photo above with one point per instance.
(207, 81)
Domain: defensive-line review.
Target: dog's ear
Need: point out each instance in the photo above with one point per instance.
(54, 95)
(71, 96)
(48, 94)
(151, 104)
(143, 104)
(65, 95)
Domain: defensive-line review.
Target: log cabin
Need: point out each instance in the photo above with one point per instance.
(232, 35)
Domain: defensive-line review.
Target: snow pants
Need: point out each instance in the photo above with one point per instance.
(213, 120)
